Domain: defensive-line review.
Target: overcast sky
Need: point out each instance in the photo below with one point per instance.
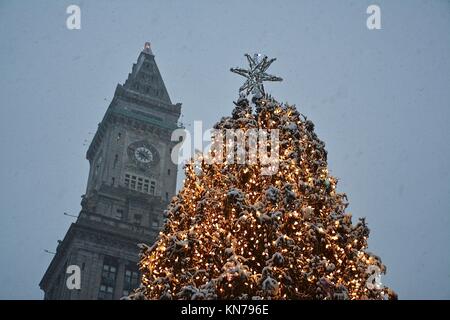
(380, 100)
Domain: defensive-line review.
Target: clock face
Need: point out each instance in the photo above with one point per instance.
(143, 155)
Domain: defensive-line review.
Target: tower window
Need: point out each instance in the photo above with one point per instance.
(119, 214)
(119, 135)
(116, 159)
(168, 172)
(152, 187)
(105, 292)
(138, 218)
(139, 183)
(113, 181)
(167, 196)
(146, 186)
(108, 280)
(131, 279)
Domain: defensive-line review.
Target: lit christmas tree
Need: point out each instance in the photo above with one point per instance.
(252, 230)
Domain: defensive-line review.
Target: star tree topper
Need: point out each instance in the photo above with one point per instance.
(256, 74)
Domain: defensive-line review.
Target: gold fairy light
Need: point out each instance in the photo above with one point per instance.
(233, 233)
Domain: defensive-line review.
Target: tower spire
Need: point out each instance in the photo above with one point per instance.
(147, 48)
(145, 77)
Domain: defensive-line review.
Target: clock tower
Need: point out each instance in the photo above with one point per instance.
(131, 180)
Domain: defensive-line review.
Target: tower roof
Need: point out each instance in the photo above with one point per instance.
(145, 77)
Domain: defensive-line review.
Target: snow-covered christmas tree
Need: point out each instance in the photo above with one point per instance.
(236, 232)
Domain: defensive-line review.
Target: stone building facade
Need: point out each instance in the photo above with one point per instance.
(131, 180)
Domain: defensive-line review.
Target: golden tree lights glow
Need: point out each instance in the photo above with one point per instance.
(233, 233)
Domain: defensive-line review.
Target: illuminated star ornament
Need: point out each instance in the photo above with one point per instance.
(256, 74)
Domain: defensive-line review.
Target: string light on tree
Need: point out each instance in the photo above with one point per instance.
(234, 233)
